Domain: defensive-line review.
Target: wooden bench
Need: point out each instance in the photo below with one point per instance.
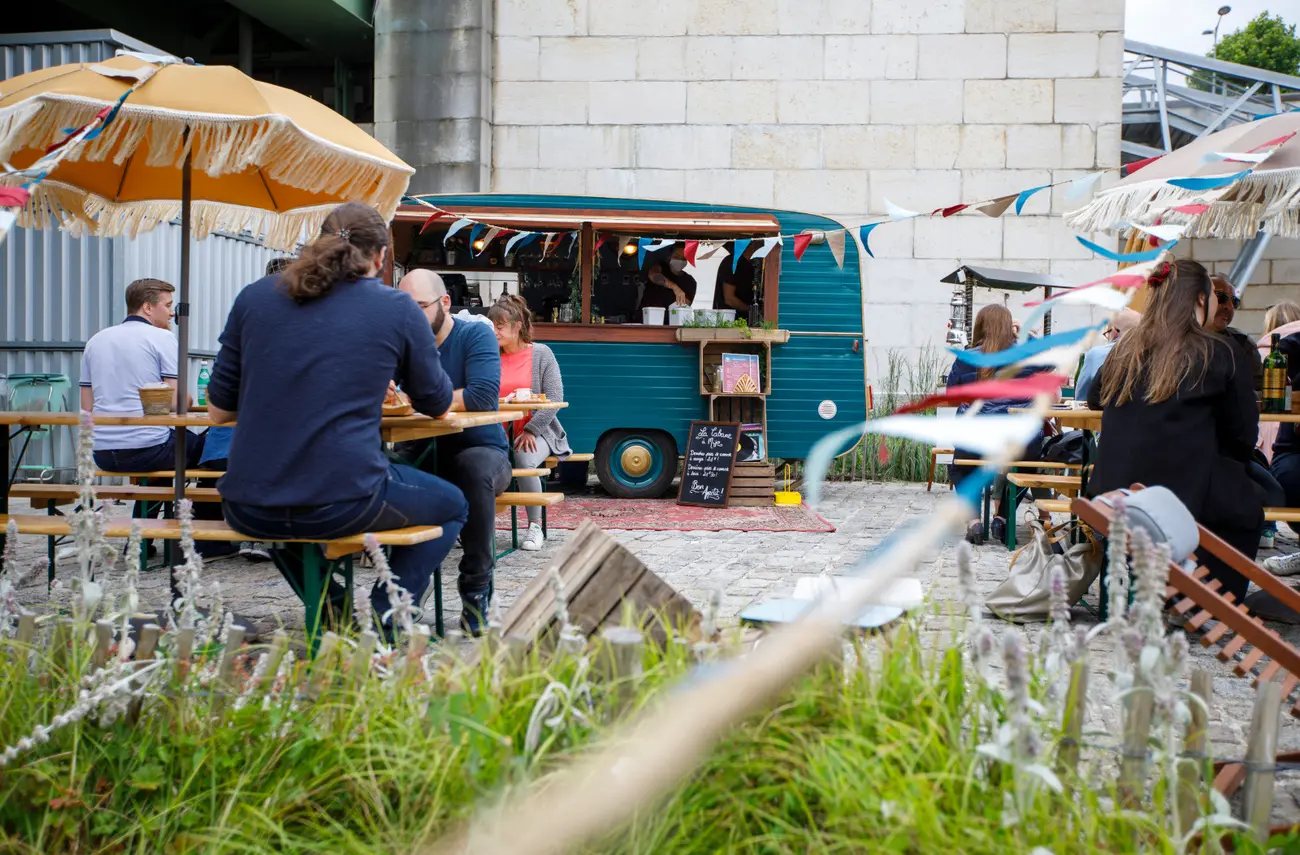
(318, 564)
(163, 474)
(1286, 515)
(552, 462)
(1237, 636)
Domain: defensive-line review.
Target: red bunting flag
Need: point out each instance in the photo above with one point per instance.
(690, 247)
(13, 197)
(986, 390)
(954, 209)
(800, 245)
(1138, 164)
(1191, 209)
(1123, 281)
(600, 241)
(433, 219)
(1270, 143)
(882, 452)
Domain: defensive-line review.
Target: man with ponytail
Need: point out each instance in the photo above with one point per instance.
(306, 359)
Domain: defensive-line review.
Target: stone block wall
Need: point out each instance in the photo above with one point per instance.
(1276, 277)
(828, 106)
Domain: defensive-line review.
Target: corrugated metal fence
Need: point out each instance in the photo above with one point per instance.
(56, 291)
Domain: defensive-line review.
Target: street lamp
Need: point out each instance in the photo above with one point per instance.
(1223, 10)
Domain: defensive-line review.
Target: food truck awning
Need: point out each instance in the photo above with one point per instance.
(704, 223)
(1006, 280)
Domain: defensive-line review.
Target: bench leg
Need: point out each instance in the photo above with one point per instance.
(437, 602)
(313, 585)
(1011, 501)
(543, 520)
(51, 550)
(929, 478)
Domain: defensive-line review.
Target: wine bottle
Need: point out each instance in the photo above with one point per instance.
(1275, 380)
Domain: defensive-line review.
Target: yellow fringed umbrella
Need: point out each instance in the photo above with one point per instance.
(116, 148)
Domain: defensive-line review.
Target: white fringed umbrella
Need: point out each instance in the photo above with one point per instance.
(119, 147)
(1178, 189)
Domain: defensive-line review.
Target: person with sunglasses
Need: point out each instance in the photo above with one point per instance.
(1221, 324)
(1125, 320)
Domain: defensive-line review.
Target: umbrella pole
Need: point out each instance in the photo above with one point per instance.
(183, 336)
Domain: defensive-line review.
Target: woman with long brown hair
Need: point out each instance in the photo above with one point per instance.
(306, 359)
(993, 332)
(528, 364)
(1179, 411)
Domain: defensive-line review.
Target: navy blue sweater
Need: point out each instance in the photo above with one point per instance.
(308, 381)
(472, 359)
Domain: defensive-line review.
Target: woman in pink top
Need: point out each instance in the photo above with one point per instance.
(526, 364)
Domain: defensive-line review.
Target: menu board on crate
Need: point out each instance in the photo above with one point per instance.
(708, 461)
(740, 374)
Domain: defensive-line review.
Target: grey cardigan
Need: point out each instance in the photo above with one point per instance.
(547, 380)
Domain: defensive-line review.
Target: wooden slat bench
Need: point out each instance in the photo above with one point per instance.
(162, 474)
(1068, 485)
(335, 553)
(584, 457)
(1286, 515)
(1237, 635)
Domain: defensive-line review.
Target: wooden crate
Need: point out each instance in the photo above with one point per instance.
(711, 356)
(753, 485)
(601, 578)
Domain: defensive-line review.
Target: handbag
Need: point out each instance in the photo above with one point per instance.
(1026, 594)
(1064, 448)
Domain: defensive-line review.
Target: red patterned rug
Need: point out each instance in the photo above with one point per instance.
(667, 515)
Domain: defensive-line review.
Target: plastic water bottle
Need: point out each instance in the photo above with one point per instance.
(205, 374)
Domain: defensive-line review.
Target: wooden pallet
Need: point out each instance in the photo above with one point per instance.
(753, 485)
(601, 577)
(1236, 635)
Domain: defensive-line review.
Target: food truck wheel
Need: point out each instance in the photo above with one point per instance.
(636, 464)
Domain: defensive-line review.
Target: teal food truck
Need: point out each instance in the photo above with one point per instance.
(606, 280)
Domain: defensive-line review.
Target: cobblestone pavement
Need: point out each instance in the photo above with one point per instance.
(748, 566)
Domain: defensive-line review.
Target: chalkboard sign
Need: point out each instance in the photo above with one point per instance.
(706, 471)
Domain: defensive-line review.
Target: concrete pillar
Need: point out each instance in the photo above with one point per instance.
(433, 90)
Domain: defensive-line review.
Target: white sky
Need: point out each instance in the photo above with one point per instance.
(1179, 23)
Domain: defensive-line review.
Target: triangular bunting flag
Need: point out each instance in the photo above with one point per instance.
(546, 244)
(953, 209)
(519, 240)
(600, 241)
(455, 227)
(623, 241)
(642, 244)
(1081, 185)
(896, 213)
(1024, 195)
(13, 197)
(741, 243)
(1218, 156)
(474, 232)
(835, 240)
(865, 234)
(708, 250)
(997, 207)
(1191, 209)
(438, 215)
(801, 245)
(487, 239)
(1209, 183)
(768, 244)
(1165, 233)
(690, 248)
(658, 245)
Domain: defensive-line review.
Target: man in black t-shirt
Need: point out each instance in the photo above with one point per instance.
(735, 290)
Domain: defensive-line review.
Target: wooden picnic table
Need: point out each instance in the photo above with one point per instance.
(531, 406)
(392, 428)
(1090, 420)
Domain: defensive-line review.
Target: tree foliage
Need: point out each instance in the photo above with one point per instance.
(1267, 42)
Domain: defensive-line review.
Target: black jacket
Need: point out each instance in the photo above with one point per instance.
(1246, 350)
(1196, 443)
(1287, 441)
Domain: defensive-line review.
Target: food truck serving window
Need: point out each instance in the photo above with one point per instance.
(643, 282)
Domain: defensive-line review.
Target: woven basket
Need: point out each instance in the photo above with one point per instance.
(156, 402)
